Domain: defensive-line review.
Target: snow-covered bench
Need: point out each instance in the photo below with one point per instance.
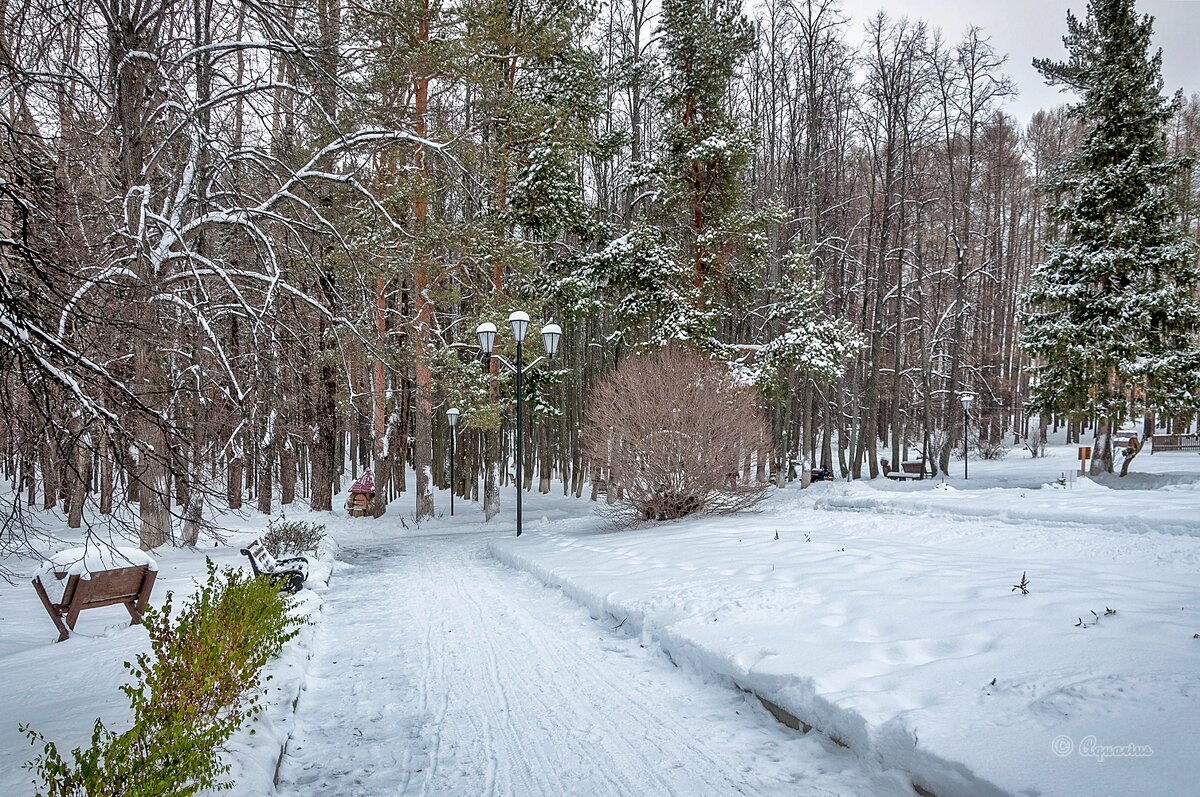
(290, 574)
(88, 578)
(908, 470)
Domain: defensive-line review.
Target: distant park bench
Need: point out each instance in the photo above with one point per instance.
(908, 470)
(128, 586)
(289, 574)
(1174, 442)
(1121, 438)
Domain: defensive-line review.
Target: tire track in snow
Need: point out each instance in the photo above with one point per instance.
(498, 697)
(444, 673)
(670, 735)
(551, 649)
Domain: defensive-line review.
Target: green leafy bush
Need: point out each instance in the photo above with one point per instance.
(291, 537)
(197, 685)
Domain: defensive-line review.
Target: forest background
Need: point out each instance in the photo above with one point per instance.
(244, 245)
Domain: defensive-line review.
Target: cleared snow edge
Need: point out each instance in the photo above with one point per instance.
(891, 745)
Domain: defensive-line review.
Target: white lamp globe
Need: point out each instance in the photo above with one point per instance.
(519, 321)
(486, 332)
(551, 334)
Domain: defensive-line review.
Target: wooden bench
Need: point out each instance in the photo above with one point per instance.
(1121, 438)
(128, 586)
(908, 470)
(289, 574)
(1174, 442)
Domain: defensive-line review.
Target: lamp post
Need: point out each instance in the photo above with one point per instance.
(452, 417)
(518, 321)
(966, 399)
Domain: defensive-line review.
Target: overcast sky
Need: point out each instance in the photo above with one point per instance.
(1028, 29)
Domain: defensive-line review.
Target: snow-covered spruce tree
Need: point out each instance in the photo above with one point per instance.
(812, 342)
(1111, 316)
(693, 241)
(535, 86)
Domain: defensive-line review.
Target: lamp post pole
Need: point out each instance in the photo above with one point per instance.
(519, 323)
(520, 468)
(966, 399)
(452, 417)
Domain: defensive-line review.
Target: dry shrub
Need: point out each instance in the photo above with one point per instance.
(292, 538)
(991, 449)
(673, 428)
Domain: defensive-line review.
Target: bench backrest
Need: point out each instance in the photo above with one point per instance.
(262, 557)
(111, 586)
(105, 587)
(912, 467)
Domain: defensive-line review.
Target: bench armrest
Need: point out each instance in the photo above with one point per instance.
(253, 562)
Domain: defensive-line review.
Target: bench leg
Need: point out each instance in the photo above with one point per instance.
(73, 614)
(138, 608)
(63, 632)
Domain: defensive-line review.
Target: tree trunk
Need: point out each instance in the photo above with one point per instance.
(323, 451)
(287, 471)
(192, 519)
(234, 475)
(423, 310)
(81, 477)
(106, 474)
(1102, 455)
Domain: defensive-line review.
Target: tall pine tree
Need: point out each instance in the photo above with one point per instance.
(1111, 316)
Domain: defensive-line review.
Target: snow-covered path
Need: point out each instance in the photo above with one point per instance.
(439, 671)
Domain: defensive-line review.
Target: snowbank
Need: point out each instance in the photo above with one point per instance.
(254, 751)
(898, 632)
(1161, 505)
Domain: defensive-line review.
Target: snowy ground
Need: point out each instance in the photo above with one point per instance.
(440, 671)
(880, 615)
(61, 688)
(433, 669)
(883, 612)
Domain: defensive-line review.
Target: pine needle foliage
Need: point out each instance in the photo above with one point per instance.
(1112, 314)
(200, 681)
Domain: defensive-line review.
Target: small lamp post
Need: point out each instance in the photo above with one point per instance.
(966, 399)
(518, 321)
(452, 417)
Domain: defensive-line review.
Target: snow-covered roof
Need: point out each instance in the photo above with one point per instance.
(364, 484)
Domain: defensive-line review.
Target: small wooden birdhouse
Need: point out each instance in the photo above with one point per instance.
(361, 493)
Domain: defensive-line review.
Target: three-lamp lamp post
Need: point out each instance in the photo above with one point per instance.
(518, 321)
(966, 399)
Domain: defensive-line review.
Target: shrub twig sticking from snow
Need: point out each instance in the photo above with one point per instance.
(1095, 618)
